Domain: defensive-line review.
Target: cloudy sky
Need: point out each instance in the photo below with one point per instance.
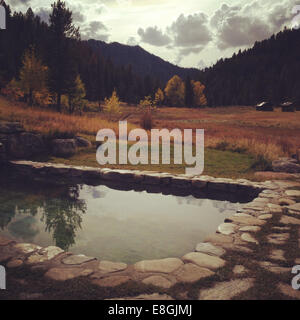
(190, 33)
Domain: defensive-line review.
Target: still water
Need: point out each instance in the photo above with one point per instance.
(109, 224)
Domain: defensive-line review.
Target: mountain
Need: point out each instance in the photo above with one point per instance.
(143, 63)
(268, 71)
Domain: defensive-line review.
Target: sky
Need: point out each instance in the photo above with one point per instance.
(189, 33)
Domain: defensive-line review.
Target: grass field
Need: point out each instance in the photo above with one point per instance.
(238, 140)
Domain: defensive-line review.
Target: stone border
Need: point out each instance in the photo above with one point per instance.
(237, 233)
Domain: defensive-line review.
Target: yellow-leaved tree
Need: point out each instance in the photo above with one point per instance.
(33, 75)
(199, 96)
(112, 106)
(146, 106)
(174, 92)
(159, 97)
(76, 95)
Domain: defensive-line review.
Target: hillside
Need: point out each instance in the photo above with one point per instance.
(268, 71)
(143, 63)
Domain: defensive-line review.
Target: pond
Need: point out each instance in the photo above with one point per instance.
(106, 223)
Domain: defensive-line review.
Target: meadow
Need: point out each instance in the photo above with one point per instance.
(238, 140)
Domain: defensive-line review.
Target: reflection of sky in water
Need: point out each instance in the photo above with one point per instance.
(123, 225)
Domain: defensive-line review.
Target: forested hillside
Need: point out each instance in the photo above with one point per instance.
(268, 71)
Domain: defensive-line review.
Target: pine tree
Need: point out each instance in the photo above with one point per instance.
(189, 93)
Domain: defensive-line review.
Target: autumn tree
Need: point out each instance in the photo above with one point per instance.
(159, 97)
(112, 106)
(76, 94)
(198, 92)
(174, 92)
(63, 67)
(33, 75)
(146, 106)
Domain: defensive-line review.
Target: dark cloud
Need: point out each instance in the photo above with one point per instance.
(190, 31)
(154, 36)
(95, 30)
(240, 26)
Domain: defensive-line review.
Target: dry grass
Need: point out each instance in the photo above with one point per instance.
(267, 135)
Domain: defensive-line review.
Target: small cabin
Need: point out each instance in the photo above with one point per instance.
(287, 107)
(264, 106)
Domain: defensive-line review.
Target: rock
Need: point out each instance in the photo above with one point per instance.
(239, 269)
(226, 290)
(209, 248)
(294, 208)
(236, 248)
(63, 274)
(293, 193)
(246, 220)
(288, 290)
(248, 238)
(43, 255)
(278, 238)
(289, 220)
(190, 272)
(82, 142)
(250, 229)
(286, 165)
(265, 216)
(199, 183)
(64, 147)
(227, 228)
(154, 296)
(11, 127)
(108, 266)
(14, 263)
(77, 259)
(277, 255)
(204, 260)
(274, 208)
(112, 281)
(281, 228)
(158, 281)
(5, 241)
(218, 239)
(27, 247)
(167, 265)
(269, 266)
(286, 201)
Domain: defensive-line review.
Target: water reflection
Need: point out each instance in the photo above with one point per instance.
(59, 208)
(107, 223)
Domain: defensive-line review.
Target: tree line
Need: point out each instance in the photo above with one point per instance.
(49, 64)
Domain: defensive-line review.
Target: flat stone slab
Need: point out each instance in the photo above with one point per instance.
(294, 208)
(274, 208)
(167, 265)
(43, 255)
(265, 216)
(289, 220)
(204, 260)
(154, 296)
(236, 248)
(272, 267)
(109, 267)
(158, 281)
(288, 290)
(192, 273)
(277, 255)
(218, 238)
(63, 274)
(246, 220)
(250, 229)
(77, 259)
(239, 269)
(293, 193)
(286, 202)
(278, 238)
(226, 290)
(227, 228)
(248, 238)
(209, 248)
(26, 247)
(112, 281)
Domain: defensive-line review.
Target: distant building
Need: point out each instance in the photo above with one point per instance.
(264, 106)
(288, 107)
